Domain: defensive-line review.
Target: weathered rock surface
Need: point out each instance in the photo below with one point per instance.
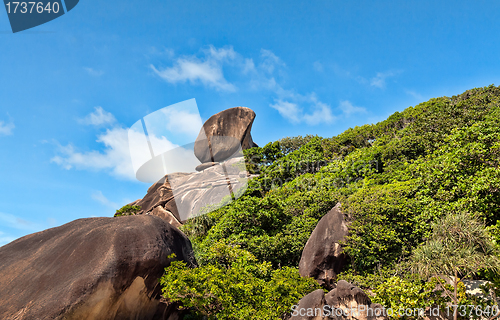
(311, 307)
(344, 302)
(206, 165)
(322, 257)
(96, 268)
(184, 195)
(223, 134)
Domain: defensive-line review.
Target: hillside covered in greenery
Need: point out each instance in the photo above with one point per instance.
(395, 180)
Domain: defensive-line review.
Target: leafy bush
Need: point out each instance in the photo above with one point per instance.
(234, 285)
(127, 210)
(393, 179)
(401, 294)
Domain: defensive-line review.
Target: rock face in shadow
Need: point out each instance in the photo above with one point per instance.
(311, 307)
(180, 196)
(322, 257)
(346, 301)
(96, 268)
(223, 134)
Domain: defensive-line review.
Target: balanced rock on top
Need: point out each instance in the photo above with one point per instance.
(223, 134)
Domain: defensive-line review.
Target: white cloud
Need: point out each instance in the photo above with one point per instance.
(379, 80)
(348, 108)
(19, 226)
(183, 122)
(264, 73)
(99, 197)
(11, 221)
(318, 66)
(322, 113)
(98, 117)
(415, 95)
(287, 110)
(6, 128)
(115, 158)
(270, 61)
(222, 53)
(94, 72)
(249, 66)
(6, 239)
(207, 70)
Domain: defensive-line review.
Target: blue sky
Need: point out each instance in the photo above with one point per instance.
(70, 88)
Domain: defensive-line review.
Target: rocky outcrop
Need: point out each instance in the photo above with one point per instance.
(206, 165)
(311, 307)
(322, 257)
(223, 134)
(180, 196)
(222, 174)
(96, 268)
(344, 302)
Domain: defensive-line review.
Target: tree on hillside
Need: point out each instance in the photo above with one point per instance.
(234, 285)
(127, 210)
(458, 247)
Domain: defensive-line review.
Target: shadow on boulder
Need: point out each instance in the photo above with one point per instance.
(96, 268)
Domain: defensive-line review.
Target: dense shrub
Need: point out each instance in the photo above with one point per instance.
(233, 285)
(393, 179)
(127, 210)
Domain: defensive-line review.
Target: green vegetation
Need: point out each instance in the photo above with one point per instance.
(458, 245)
(395, 179)
(234, 285)
(127, 210)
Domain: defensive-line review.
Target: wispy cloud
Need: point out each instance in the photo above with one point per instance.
(99, 197)
(348, 108)
(98, 117)
(7, 128)
(4, 239)
(318, 66)
(379, 81)
(207, 70)
(93, 72)
(115, 158)
(267, 72)
(288, 110)
(321, 113)
(12, 227)
(183, 122)
(270, 61)
(415, 95)
(294, 107)
(317, 112)
(11, 221)
(117, 143)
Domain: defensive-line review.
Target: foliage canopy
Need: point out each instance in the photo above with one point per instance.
(395, 180)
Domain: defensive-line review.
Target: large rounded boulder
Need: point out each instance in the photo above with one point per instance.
(96, 268)
(323, 257)
(224, 134)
